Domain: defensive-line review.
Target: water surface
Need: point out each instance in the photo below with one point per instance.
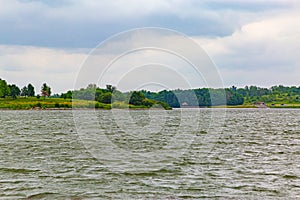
(253, 154)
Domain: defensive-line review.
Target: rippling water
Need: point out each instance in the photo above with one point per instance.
(179, 154)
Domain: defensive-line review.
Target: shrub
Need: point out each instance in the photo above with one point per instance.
(38, 105)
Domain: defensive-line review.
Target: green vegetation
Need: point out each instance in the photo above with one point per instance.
(28, 91)
(46, 90)
(11, 97)
(23, 103)
(203, 97)
(14, 91)
(4, 89)
(274, 97)
(116, 99)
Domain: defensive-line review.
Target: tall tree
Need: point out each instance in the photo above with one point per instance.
(136, 98)
(49, 91)
(4, 89)
(110, 88)
(31, 91)
(24, 91)
(46, 90)
(14, 91)
(105, 98)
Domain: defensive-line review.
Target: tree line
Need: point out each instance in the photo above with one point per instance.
(228, 96)
(203, 97)
(174, 98)
(13, 91)
(110, 95)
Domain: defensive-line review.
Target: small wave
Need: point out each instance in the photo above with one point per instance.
(153, 172)
(50, 195)
(290, 176)
(42, 195)
(19, 170)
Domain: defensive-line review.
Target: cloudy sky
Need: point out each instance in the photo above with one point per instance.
(252, 42)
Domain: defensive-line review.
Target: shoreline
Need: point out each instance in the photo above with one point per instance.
(32, 103)
(216, 107)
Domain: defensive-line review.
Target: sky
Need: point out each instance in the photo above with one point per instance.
(251, 42)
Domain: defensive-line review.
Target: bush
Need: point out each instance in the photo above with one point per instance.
(39, 105)
(119, 104)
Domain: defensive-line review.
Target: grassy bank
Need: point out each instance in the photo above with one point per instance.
(271, 105)
(284, 105)
(23, 103)
(28, 103)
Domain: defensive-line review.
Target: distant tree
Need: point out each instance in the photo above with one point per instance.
(118, 96)
(49, 91)
(92, 86)
(136, 98)
(110, 88)
(14, 91)
(4, 89)
(46, 90)
(67, 95)
(233, 88)
(24, 91)
(31, 92)
(234, 98)
(105, 98)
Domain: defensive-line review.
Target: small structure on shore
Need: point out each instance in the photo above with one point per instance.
(185, 104)
(261, 105)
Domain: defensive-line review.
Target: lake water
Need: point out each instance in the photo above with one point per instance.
(150, 154)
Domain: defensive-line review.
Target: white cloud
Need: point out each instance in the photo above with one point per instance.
(157, 49)
(25, 64)
(74, 22)
(262, 49)
(263, 52)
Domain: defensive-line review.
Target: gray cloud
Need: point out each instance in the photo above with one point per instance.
(264, 52)
(85, 23)
(252, 42)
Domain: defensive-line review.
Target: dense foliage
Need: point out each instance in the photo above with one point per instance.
(275, 94)
(231, 96)
(4, 89)
(110, 95)
(197, 97)
(203, 97)
(45, 90)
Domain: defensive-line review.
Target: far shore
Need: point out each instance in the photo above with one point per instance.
(33, 103)
(210, 107)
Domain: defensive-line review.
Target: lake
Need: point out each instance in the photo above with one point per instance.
(150, 154)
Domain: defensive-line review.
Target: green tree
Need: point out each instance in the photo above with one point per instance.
(14, 91)
(118, 96)
(24, 91)
(105, 98)
(46, 90)
(110, 88)
(4, 89)
(31, 92)
(136, 98)
(67, 95)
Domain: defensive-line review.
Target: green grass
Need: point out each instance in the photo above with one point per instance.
(236, 106)
(23, 103)
(284, 105)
